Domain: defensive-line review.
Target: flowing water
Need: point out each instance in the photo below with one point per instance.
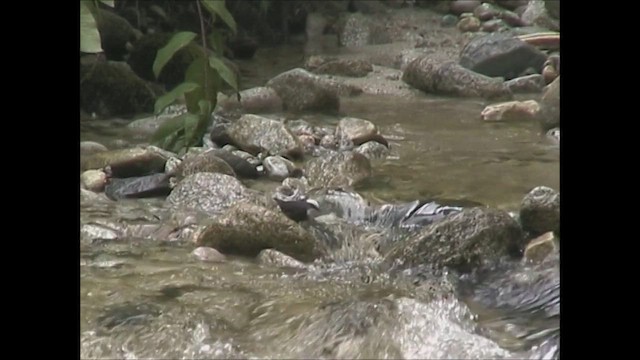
(150, 299)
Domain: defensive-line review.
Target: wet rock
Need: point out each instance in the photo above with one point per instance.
(301, 90)
(469, 24)
(270, 257)
(279, 168)
(511, 111)
(513, 4)
(90, 233)
(449, 78)
(308, 142)
(242, 163)
(539, 248)
(448, 21)
(248, 158)
(172, 166)
(338, 170)
(204, 162)
(486, 12)
(93, 180)
(511, 18)
(256, 134)
(110, 90)
(536, 14)
(206, 192)
(339, 67)
(550, 105)
(127, 162)
(91, 147)
(254, 101)
(358, 131)
(500, 55)
(208, 254)
(346, 205)
(526, 84)
(493, 26)
(155, 185)
(540, 211)
(246, 229)
(554, 135)
(373, 150)
(468, 239)
(463, 6)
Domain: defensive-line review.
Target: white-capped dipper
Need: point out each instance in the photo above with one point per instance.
(297, 210)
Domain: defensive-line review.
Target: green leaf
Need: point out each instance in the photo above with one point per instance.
(191, 130)
(168, 128)
(177, 42)
(216, 41)
(264, 6)
(218, 7)
(223, 70)
(109, 3)
(196, 73)
(167, 99)
(89, 35)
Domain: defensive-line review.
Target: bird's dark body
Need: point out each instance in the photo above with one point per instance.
(296, 210)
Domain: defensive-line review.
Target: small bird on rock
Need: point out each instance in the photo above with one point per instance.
(293, 204)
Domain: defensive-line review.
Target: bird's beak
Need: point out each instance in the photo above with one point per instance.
(313, 204)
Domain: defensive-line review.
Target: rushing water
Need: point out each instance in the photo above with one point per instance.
(149, 299)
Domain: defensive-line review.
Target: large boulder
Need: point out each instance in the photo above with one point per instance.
(501, 55)
(127, 162)
(210, 193)
(463, 241)
(448, 78)
(256, 134)
(540, 211)
(204, 162)
(246, 229)
(338, 170)
(301, 90)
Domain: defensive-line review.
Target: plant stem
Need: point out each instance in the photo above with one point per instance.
(204, 50)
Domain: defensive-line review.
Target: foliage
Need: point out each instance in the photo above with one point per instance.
(203, 80)
(90, 41)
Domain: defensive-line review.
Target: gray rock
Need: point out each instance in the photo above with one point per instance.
(550, 105)
(540, 211)
(93, 180)
(246, 229)
(256, 134)
(514, 4)
(91, 147)
(486, 12)
(155, 185)
(356, 31)
(469, 24)
(278, 168)
(493, 26)
(512, 19)
(172, 166)
(206, 192)
(358, 131)
(255, 100)
(463, 6)
(449, 78)
(463, 241)
(206, 161)
(449, 20)
(126, 162)
(345, 67)
(208, 254)
(536, 14)
(270, 257)
(301, 90)
(511, 111)
(244, 166)
(539, 248)
(500, 55)
(250, 159)
(373, 150)
(338, 170)
(96, 232)
(526, 84)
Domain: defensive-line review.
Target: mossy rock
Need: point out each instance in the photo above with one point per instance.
(144, 54)
(112, 89)
(115, 32)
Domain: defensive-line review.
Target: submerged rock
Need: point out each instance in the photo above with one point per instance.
(256, 134)
(127, 162)
(301, 90)
(246, 229)
(373, 150)
(540, 211)
(208, 254)
(155, 185)
(539, 248)
(206, 192)
(338, 170)
(339, 67)
(501, 55)
(463, 241)
(511, 111)
(254, 101)
(270, 257)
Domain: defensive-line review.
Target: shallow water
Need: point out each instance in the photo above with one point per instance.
(145, 299)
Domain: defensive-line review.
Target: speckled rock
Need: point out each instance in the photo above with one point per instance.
(246, 229)
(93, 180)
(540, 211)
(279, 168)
(373, 150)
(338, 170)
(301, 90)
(155, 185)
(270, 257)
(256, 134)
(469, 24)
(511, 111)
(208, 254)
(339, 67)
(255, 100)
(204, 162)
(127, 162)
(358, 131)
(206, 192)
(526, 84)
